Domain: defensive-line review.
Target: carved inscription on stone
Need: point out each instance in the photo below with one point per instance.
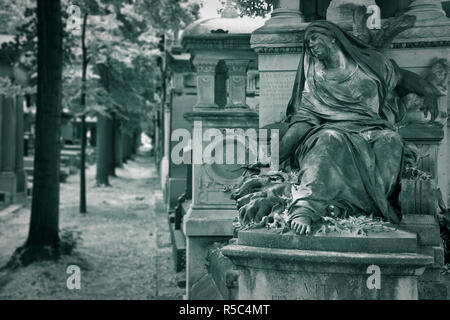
(276, 90)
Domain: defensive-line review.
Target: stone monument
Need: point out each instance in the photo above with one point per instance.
(277, 264)
(13, 181)
(221, 54)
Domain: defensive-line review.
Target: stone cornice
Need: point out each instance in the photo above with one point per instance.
(425, 34)
(236, 116)
(423, 132)
(287, 38)
(218, 42)
(278, 50)
(420, 44)
(290, 39)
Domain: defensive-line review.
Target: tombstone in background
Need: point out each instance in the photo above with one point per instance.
(221, 55)
(13, 182)
(182, 97)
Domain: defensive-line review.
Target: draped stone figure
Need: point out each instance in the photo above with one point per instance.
(339, 134)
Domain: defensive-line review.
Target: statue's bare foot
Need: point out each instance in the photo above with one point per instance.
(301, 225)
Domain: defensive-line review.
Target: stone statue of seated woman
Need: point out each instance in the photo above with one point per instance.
(339, 134)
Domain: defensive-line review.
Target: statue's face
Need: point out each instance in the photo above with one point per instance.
(319, 45)
(439, 72)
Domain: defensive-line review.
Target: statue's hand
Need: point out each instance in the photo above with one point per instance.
(252, 185)
(431, 103)
(257, 209)
(301, 225)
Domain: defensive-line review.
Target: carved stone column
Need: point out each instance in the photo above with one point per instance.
(237, 89)
(426, 9)
(286, 12)
(206, 70)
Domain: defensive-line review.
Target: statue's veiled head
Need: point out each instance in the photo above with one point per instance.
(322, 37)
(319, 45)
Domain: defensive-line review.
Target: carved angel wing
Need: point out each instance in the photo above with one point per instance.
(381, 38)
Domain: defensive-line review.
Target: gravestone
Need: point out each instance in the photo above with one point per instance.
(276, 266)
(221, 55)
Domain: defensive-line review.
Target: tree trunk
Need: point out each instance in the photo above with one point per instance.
(135, 142)
(127, 145)
(113, 138)
(43, 232)
(118, 145)
(124, 144)
(104, 132)
(83, 205)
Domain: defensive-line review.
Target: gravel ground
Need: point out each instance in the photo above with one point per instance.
(125, 250)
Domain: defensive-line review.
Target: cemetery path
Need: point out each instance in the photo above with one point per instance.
(125, 252)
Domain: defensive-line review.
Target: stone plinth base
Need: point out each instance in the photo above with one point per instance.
(203, 228)
(21, 176)
(8, 184)
(292, 273)
(175, 188)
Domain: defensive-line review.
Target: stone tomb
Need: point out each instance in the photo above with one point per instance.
(327, 266)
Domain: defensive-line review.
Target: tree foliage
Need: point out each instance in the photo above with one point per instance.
(122, 39)
(254, 8)
(121, 35)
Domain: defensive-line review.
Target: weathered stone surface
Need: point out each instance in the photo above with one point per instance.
(340, 11)
(205, 289)
(432, 291)
(178, 247)
(208, 223)
(383, 242)
(196, 266)
(267, 273)
(175, 188)
(425, 226)
(276, 90)
(224, 274)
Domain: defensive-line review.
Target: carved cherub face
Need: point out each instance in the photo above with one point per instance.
(439, 71)
(320, 45)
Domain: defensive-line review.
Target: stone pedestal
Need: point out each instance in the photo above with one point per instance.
(221, 53)
(211, 214)
(8, 182)
(274, 266)
(279, 44)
